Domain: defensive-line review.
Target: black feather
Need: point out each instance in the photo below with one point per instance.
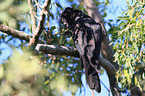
(86, 34)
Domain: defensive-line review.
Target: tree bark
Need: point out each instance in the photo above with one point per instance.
(15, 33)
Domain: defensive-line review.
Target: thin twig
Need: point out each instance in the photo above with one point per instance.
(38, 6)
(49, 40)
(32, 15)
(92, 92)
(105, 86)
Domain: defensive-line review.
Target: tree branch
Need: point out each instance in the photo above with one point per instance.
(15, 33)
(57, 50)
(70, 51)
(40, 26)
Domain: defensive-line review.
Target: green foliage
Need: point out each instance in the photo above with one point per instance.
(25, 74)
(13, 12)
(19, 75)
(130, 48)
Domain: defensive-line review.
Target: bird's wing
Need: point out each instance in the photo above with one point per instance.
(93, 40)
(79, 43)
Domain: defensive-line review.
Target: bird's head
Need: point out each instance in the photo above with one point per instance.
(68, 17)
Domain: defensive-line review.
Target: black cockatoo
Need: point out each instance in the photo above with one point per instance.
(86, 34)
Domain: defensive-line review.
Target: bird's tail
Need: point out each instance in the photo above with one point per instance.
(92, 77)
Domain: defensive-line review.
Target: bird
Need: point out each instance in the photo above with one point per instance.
(87, 35)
